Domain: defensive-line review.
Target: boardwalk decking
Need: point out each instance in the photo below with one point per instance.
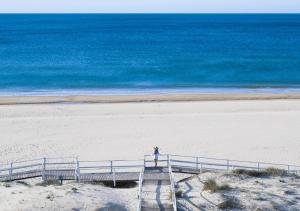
(70, 175)
(124, 176)
(21, 175)
(123, 170)
(156, 190)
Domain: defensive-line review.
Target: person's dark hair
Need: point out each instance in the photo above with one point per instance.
(156, 150)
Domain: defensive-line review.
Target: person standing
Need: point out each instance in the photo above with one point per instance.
(156, 155)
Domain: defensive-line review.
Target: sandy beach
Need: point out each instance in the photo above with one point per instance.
(13, 100)
(255, 130)
(258, 129)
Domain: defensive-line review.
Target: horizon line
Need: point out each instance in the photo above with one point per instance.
(167, 13)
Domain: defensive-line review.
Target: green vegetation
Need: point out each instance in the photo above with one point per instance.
(231, 203)
(212, 186)
(275, 171)
(48, 182)
(50, 196)
(263, 173)
(23, 183)
(74, 190)
(7, 184)
(178, 193)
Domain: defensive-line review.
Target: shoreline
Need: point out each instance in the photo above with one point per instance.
(13, 100)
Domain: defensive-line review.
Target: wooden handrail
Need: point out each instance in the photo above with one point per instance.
(182, 161)
(139, 208)
(172, 188)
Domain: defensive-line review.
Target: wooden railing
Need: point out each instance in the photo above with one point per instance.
(139, 207)
(205, 163)
(172, 187)
(44, 166)
(163, 160)
(38, 167)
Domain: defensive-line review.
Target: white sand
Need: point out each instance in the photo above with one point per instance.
(258, 130)
(247, 130)
(247, 193)
(30, 195)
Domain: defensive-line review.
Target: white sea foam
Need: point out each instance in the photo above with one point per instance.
(70, 92)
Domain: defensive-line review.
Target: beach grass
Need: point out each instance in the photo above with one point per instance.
(212, 186)
(271, 171)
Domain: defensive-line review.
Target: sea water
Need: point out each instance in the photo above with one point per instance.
(140, 53)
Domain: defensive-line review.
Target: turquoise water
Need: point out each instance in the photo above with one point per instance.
(122, 53)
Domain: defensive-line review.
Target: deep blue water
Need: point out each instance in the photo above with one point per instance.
(148, 52)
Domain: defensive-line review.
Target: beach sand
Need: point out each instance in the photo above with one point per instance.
(257, 130)
(32, 194)
(12, 100)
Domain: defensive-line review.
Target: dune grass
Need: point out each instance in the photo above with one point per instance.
(229, 204)
(271, 171)
(212, 186)
(275, 171)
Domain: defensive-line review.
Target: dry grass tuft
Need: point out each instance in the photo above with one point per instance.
(212, 186)
(23, 183)
(251, 173)
(50, 196)
(178, 193)
(231, 203)
(275, 172)
(74, 190)
(271, 171)
(48, 182)
(6, 185)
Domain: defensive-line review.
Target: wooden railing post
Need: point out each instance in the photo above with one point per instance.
(77, 170)
(288, 170)
(227, 165)
(44, 164)
(111, 166)
(114, 177)
(44, 169)
(197, 163)
(11, 171)
(258, 168)
(201, 168)
(168, 160)
(140, 190)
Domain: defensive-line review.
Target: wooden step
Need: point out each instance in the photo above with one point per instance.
(156, 209)
(155, 205)
(156, 190)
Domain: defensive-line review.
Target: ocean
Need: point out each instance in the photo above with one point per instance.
(45, 54)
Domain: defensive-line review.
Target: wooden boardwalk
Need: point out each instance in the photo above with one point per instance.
(21, 175)
(156, 190)
(51, 175)
(69, 168)
(156, 185)
(69, 174)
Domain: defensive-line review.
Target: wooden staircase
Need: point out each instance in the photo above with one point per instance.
(156, 190)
